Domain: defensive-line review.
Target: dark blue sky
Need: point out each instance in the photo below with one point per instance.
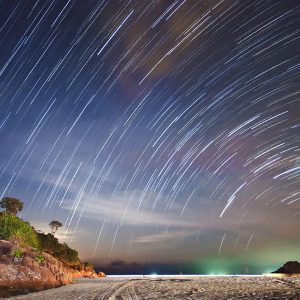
(157, 132)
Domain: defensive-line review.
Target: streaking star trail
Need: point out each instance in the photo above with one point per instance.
(155, 131)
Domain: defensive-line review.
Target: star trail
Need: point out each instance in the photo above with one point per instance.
(155, 131)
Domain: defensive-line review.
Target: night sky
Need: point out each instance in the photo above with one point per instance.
(164, 135)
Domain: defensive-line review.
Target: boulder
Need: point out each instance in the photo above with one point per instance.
(101, 274)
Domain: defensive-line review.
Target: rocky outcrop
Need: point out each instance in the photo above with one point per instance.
(19, 275)
(290, 267)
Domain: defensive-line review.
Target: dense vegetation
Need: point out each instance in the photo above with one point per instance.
(50, 244)
(15, 229)
(12, 226)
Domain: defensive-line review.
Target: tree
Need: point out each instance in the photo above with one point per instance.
(11, 205)
(54, 226)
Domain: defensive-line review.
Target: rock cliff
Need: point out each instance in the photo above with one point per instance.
(26, 273)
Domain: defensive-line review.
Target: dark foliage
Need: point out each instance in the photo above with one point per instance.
(50, 244)
(11, 205)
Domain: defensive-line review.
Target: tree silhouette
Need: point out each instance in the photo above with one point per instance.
(11, 205)
(54, 226)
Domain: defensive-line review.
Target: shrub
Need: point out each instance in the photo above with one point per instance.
(64, 253)
(40, 259)
(47, 242)
(17, 254)
(12, 226)
(88, 266)
(17, 241)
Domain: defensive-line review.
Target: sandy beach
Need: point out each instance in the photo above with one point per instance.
(181, 287)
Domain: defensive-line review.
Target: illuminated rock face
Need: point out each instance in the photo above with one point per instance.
(27, 275)
(289, 267)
